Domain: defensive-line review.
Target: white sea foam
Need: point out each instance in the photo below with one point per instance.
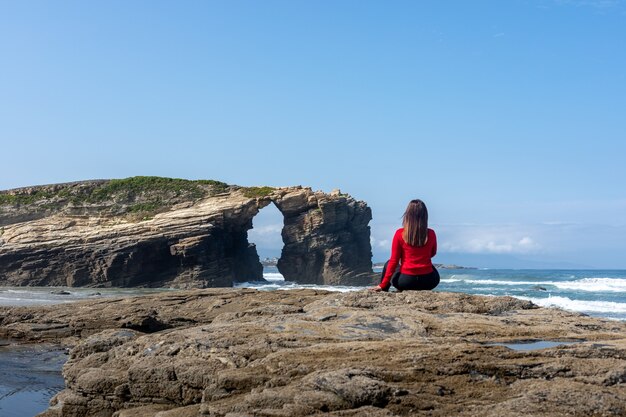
(328, 288)
(46, 295)
(585, 284)
(451, 280)
(273, 276)
(579, 305)
(275, 281)
(16, 302)
(18, 291)
(594, 284)
(281, 284)
(494, 281)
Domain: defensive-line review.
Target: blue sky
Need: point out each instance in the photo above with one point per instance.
(507, 118)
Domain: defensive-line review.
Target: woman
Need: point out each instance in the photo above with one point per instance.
(412, 247)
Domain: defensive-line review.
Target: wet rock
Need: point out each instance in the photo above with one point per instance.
(229, 352)
(102, 342)
(355, 387)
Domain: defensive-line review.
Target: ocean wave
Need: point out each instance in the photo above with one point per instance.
(12, 301)
(581, 306)
(37, 300)
(273, 276)
(493, 281)
(18, 291)
(594, 284)
(283, 285)
(584, 284)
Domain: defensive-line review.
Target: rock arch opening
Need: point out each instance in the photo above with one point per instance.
(266, 235)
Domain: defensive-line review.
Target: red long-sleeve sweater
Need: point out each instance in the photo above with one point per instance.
(414, 260)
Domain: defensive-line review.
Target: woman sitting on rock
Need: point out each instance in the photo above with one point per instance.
(413, 246)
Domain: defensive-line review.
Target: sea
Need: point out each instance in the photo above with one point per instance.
(31, 375)
(599, 293)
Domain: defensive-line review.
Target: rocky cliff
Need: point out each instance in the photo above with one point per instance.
(240, 352)
(150, 231)
(326, 236)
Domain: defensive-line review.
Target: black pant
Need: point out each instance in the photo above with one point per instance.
(412, 282)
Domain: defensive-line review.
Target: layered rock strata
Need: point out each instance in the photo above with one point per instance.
(201, 244)
(190, 235)
(227, 352)
(326, 237)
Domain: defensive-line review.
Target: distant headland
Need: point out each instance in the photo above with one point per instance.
(379, 265)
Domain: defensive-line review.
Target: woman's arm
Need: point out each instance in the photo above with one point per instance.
(396, 255)
(434, 250)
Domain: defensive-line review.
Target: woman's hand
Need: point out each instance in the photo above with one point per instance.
(375, 289)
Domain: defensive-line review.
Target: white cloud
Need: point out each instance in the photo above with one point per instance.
(598, 245)
(266, 229)
(472, 238)
(266, 236)
(526, 242)
(383, 243)
(487, 239)
(487, 244)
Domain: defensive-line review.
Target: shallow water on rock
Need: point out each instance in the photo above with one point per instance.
(29, 377)
(40, 296)
(532, 345)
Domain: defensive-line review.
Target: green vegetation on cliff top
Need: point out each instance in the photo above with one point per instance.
(256, 192)
(158, 187)
(125, 189)
(139, 197)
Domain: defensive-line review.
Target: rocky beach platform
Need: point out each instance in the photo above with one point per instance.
(241, 352)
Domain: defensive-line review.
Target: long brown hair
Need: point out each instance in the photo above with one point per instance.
(415, 223)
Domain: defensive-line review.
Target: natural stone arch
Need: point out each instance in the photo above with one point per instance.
(326, 237)
(192, 242)
(266, 232)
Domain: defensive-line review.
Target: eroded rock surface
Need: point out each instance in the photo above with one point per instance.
(326, 236)
(227, 352)
(94, 234)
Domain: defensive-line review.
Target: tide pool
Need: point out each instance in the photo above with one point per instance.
(30, 375)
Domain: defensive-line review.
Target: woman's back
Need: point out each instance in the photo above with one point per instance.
(416, 260)
(412, 248)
